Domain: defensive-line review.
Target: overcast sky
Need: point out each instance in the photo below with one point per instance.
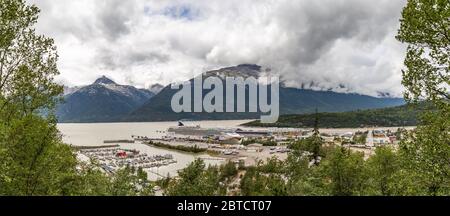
(343, 45)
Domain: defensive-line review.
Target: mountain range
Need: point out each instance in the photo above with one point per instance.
(106, 101)
(102, 101)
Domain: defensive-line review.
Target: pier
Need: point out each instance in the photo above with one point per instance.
(112, 159)
(95, 147)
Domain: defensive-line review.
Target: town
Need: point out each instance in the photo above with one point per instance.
(240, 145)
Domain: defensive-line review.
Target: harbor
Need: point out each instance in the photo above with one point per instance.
(112, 159)
(215, 145)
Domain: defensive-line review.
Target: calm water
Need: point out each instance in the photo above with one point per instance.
(94, 134)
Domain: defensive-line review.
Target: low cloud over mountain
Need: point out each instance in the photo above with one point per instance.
(339, 45)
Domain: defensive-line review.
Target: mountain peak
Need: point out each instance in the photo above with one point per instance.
(156, 88)
(250, 66)
(104, 80)
(243, 70)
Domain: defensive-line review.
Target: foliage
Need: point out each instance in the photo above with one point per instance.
(345, 171)
(425, 27)
(193, 149)
(405, 115)
(33, 158)
(382, 169)
(427, 153)
(130, 182)
(228, 171)
(360, 138)
(260, 141)
(271, 165)
(34, 161)
(255, 183)
(197, 180)
(88, 181)
(311, 146)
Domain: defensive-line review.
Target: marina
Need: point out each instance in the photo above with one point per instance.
(94, 134)
(111, 159)
(155, 141)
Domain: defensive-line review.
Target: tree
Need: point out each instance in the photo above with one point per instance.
(312, 145)
(426, 152)
(27, 62)
(360, 138)
(271, 165)
(315, 140)
(251, 182)
(34, 161)
(130, 182)
(344, 170)
(37, 162)
(141, 174)
(228, 171)
(382, 168)
(197, 180)
(303, 179)
(425, 27)
(88, 181)
(316, 123)
(257, 183)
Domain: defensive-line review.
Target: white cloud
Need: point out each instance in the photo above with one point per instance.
(343, 45)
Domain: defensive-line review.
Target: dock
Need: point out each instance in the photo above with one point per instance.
(118, 141)
(95, 147)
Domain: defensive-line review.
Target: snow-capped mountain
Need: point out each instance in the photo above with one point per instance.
(107, 101)
(69, 90)
(102, 101)
(243, 70)
(156, 88)
(292, 100)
